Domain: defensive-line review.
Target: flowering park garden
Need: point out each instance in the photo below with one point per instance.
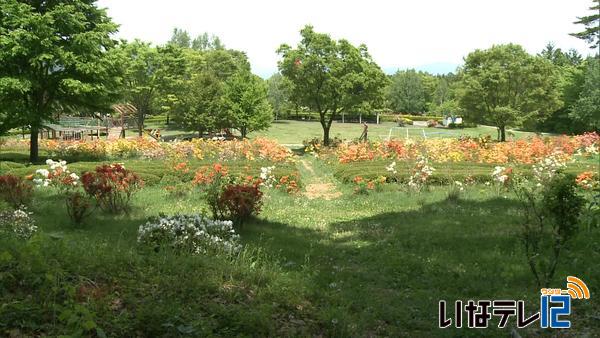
(166, 189)
(137, 237)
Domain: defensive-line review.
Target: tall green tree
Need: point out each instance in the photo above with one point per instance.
(55, 55)
(591, 33)
(560, 58)
(505, 86)
(150, 73)
(279, 91)
(407, 93)
(199, 108)
(570, 69)
(586, 110)
(331, 76)
(180, 38)
(202, 42)
(197, 105)
(245, 103)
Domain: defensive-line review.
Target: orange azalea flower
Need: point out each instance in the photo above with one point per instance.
(182, 166)
(357, 179)
(220, 169)
(585, 180)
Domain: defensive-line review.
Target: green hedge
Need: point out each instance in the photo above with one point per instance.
(152, 172)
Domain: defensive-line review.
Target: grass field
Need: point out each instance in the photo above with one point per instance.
(335, 265)
(294, 132)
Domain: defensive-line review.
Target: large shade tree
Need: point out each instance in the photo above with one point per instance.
(407, 93)
(279, 92)
(245, 103)
(504, 86)
(150, 75)
(570, 68)
(586, 110)
(54, 55)
(331, 76)
(197, 104)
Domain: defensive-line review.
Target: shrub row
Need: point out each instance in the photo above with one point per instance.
(152, 172)
(444, 172)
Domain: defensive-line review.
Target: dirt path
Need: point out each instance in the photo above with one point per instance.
(318, 185)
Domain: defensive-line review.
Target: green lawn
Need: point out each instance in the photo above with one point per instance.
(351, 266)
(293, 132)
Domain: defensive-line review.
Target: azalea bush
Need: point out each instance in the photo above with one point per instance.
(15, 191)
(79, 206)
(502, 177)
(189, 234)
(60, 177)
(18, 223)
(547, 168)
(289, 183)
(219, 150)
(112, 186)
(588, 180)
(240, 201)
(478, 150)
(421, 172)
(212, 182)
(362, 186)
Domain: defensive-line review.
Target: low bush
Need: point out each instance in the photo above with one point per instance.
(15, 190)
(79, 206)
(364, 186)
(432, 123)
(551, 219)
(18, 223)
(240, 201)
(422, 117)
(403, 121)
(315, 144)
(189, 234)
(445, 173)
(212, 181)
(112, 186)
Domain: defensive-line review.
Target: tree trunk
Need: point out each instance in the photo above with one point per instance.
(140, 122)
(502, 133)
(168, 115)
(326, 135)
(244, 132)
(33, 148)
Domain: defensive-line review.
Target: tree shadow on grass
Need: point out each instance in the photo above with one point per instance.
(385, 274)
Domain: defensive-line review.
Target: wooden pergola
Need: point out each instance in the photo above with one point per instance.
(79, 128)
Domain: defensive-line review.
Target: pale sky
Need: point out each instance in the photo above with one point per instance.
(431, 35)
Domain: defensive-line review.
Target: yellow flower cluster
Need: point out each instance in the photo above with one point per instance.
(256, 149)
